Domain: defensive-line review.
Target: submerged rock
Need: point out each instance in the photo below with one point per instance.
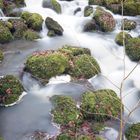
(52, 4)
(33, 20)
(77, 10)
(10, 89)
(100, 105)
(54, 27)
(129, 24)
(104, 20)
(133, 132)
(119, 38)
(65, 110)
(133, 49)
(1, 56)
(88, 10)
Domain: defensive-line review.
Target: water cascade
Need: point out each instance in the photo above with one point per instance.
(33, 111)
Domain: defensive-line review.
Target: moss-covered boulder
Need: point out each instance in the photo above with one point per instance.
(100, 105)
(90, 26)
(10, 89)
(54, 26)
(5, 34)
(119, 38)
(33, 20)
(47, 64)
(129, 24)
(18, 27)
(84, 66)
(104, 20)
(52, 4)
(1, 56)
(133, 132)
(72, 51)
(88, 10)
(65, 110)
(31, 35)
(133, 49)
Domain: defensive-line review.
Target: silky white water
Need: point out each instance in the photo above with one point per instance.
(103, 48)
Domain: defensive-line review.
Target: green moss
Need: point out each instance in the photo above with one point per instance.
(1, 138)
(47, 65)
(133, 49)
(99, 138)
(133, 132)
(72, 51)
(5, 35)
(18, 27)
(100, 105)
(65, 110)
(104, 20)
(1, 56)
(10, 89)
(63, 137)
(129, 24)
(84, 66)
(33, 20)
(119, 38)
(31, 35)
(88, 11)
(83, 137)
(56, 6)
(97, 127)
(1, 4)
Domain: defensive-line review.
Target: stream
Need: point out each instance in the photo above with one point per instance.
(33, 111)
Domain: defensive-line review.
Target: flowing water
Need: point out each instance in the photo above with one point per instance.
(33, 112)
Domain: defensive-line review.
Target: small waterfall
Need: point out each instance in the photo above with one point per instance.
(1, 13)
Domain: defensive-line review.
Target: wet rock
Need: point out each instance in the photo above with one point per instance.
(104, 20)
(52, 4)
(33, 20)
(77, 10)
(100, 105)
(133, 49)
(129, 24)
(90, 26)
(119, 38)
(54, 26)
(88, 10)
(10, 89)
(133, 132)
